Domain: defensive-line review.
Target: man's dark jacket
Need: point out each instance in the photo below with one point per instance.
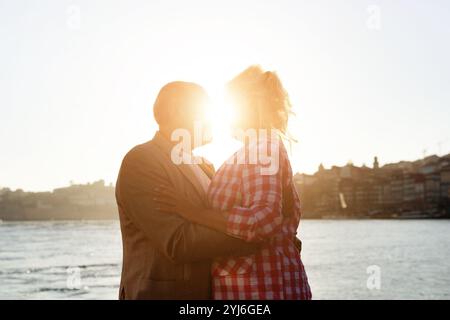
(165, 256)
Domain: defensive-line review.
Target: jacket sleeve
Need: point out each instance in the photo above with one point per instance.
(178, 239)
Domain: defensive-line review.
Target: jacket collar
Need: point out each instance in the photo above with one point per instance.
(166, 147)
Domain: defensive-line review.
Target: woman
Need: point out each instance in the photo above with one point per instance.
(252, 199)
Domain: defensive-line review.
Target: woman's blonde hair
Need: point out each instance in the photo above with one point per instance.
(263, 95)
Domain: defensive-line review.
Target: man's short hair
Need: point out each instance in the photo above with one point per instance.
(177, 101)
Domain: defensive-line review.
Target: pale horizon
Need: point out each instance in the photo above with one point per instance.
(79, 78)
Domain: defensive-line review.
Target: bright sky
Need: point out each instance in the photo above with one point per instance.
(78, 78)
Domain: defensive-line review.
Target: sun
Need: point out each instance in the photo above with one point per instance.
(220, 115)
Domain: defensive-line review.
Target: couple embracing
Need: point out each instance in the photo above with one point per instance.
(189, 232)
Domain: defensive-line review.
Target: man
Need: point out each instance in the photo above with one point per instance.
(165, 256)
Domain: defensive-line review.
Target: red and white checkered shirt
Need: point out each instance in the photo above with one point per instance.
(253, 197)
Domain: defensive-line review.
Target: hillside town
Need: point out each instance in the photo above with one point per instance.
(417, 189)
(76, 202)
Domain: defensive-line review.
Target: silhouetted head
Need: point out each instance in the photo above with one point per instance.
(181, 105)
(259, 100)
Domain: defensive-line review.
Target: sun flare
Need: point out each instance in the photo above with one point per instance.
(220, 115)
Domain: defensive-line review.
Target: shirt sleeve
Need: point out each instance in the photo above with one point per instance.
(262, 217)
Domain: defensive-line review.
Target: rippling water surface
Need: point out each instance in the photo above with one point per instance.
(82, 260)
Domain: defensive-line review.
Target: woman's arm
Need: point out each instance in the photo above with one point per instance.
(213, 219)
(261, 217)
(258, 221)
(168, 201)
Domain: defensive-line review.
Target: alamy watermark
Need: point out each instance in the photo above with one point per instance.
(374, 280)
(263, 148)
(73, 21)
(373, 21)
(73, 281)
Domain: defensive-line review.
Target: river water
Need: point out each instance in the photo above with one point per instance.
(344, 259)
